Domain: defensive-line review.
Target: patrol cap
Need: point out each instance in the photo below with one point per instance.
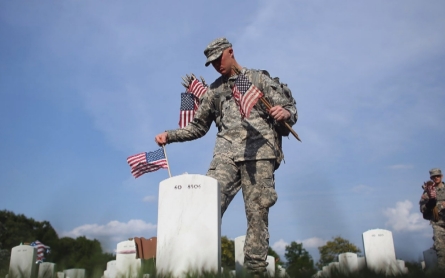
(215, 49)
(435, 172)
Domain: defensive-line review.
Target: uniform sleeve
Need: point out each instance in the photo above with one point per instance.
(422, 203)
(200, 124)
(275, 95)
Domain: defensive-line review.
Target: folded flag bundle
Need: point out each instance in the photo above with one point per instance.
(190, 100)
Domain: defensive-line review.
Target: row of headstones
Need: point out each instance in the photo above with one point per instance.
(349, 263)
(128, 265)
(379, 257)
(189, 216)
(23, 265)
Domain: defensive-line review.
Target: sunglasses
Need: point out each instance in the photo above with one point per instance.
(437, 176)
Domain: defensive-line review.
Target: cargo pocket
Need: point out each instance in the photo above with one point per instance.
(268, 195)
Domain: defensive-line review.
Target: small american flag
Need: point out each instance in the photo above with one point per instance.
(187, 111)
(142, 163)
(246, 95)
(41, 250)
(197, 88)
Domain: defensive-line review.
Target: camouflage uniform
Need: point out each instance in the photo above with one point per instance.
(439, 226)
(244, 154)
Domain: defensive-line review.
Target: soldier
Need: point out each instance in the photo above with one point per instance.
(246, 149)
(432, 206)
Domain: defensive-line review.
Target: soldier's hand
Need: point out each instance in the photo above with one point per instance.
(430, 189)
(279, 113)
(161, 139)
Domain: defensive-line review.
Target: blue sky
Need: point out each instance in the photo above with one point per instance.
(85, 84)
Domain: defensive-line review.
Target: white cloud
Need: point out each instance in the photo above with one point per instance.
(400, 166)
(149, 198)
(362, 189)
(280, 246)
(113, 232)
(313, 242)
(401, 218)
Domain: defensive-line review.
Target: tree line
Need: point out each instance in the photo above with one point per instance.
(65, 252)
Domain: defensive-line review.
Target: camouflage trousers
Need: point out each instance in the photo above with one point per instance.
(256, 180)
(439, 243)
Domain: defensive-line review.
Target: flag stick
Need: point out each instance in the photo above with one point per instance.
(166, 159)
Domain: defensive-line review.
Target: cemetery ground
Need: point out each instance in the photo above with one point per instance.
(415, 271)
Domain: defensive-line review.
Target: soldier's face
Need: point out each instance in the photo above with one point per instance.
(223, 64)
(437, 179)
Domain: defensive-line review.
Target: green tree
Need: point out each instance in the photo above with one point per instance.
(227, 253)
(81, 253)
(4, 255)
(299, 261)
(20, 229)
(65, 252)
(330, 251)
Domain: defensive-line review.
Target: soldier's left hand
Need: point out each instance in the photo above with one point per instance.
(279, 113)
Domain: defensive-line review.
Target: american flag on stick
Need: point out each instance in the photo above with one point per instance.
(142, 163)
(41, 250)
(246, 94)
(197, 88)
(187, 110)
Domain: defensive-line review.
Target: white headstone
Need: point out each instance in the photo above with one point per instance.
(430, 258)
(47, 270)
(333, 267)
(348, 262)
(111, 271)
(402, 268)
(189, 226)
(270, 269)
(239, 255)
(361, 262)
(126, 263)
(60, 274)
(23, 262)
(422, 264)
(379, 250)
(325, 271)
(74, 273)
(281, 271)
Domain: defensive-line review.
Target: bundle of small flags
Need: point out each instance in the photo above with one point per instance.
(145, 162)
(246, 95)
(190, 101)
(41, 250)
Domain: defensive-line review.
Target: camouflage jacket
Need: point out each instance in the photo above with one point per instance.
(238, 138)
(440, 197)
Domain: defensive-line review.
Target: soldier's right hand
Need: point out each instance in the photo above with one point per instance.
(161, 139)
(430, 189)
